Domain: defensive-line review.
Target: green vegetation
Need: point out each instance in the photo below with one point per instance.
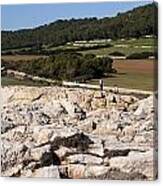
(117, 47)
(135, 23)
(65, 66)
(7, 81)
(116, 53)
(142, 55)
(126, 47)
(21, 57)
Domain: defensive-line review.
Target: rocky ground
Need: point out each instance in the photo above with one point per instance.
(74, 133)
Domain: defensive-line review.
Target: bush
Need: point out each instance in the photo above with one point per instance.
(143, 55)
(116, 54)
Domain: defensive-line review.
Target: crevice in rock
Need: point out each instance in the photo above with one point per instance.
(94, 126)
(112, 153)
(79, 141)
(37, 98)
(76, 153)
(49, 158)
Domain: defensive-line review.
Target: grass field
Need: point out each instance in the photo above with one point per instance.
(125, 50)
(125, 46)
(20, 57)
(136, 74)
(7, 81)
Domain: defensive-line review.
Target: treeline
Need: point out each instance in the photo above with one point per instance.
(65, 66)
(135, 23)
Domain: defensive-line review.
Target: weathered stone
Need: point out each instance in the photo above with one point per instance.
(127, 134)
(63, 151)
(13, 171)
(83, 159)
(42, 135)
(12, 154)
(47, 172)
(142, 162)
(95, 171)
(73, 109)
(16, 134)
(75, 133)
(98, 103)
(144, 107)
(128, 99)
(37, 153)
(75, 171)
(5, 126)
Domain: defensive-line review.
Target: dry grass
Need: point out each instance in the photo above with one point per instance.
(20, 57)
(137, 74)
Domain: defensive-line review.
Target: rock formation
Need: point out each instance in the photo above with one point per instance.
(74, 133)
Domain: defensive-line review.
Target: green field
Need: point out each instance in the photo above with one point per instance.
(10, 81)
(20, 57)
(125, 46)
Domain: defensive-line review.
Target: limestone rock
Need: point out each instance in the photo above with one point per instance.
(141, 162)
(98, 103)
(47, 172)
(127, 134)
(83, 159)
(73, 109)
(61, 132)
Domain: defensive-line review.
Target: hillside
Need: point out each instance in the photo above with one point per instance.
(135, 23)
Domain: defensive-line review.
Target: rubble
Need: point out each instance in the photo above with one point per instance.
(59, 132)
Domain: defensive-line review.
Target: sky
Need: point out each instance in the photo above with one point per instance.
(15, 17)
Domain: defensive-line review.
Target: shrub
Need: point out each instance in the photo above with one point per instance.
(143, 55)
(116, 53)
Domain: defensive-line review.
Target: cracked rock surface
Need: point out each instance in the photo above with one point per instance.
(74, 133)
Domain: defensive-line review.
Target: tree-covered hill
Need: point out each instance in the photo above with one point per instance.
(135, 23)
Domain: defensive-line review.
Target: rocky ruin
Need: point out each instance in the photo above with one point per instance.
(73, 133)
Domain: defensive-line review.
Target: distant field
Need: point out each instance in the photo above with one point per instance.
(20, 57)
(125, 50)
(136, 74)
(6, 81)
(125, 46)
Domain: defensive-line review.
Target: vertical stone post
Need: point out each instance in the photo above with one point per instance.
(101, 84)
